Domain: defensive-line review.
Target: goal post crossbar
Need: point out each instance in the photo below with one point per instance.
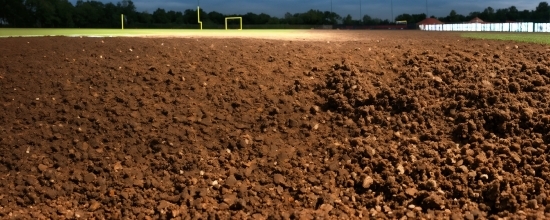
(240, 22)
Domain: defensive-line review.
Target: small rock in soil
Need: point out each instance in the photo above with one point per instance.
(230, 181)
(51, 193)
(279, 179)
(315, 109)
(42, 167)
(94, 205)
(411, 192)
(367, 182)
(89, 177)
(400, 169)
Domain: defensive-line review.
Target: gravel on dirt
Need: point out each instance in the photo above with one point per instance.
(385, 124)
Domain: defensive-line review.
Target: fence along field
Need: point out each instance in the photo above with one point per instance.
(498, 27)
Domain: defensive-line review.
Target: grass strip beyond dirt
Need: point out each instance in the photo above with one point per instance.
(36, 32)
(542, 38)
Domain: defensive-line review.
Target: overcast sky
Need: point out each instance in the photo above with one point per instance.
(374, 8)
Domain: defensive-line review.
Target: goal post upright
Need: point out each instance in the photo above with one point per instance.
(199, 16)
(240, 22)
(122, 20)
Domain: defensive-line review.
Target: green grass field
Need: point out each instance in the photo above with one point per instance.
(541, 38)
(32, 32)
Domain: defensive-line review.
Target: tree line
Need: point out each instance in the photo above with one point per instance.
(96, 14)
(541, 14)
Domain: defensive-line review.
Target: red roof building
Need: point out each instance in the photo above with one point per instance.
(429, 21)
(476, 20)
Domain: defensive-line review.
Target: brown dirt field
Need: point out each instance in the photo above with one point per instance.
(384, 124)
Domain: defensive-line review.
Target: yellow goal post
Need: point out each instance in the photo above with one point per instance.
(199, 16)
(240, 22)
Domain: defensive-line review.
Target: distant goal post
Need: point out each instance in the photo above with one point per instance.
(234, 18)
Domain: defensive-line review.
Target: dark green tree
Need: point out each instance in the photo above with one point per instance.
(331, 17)
(250, 18)
(15, 14)
(313, 17)
(274, 20)
(501, 14)
(112, 15)
(190, 16)
(454, 17)
(525, 16)
(513, 13)
(404, 17)
(160, 16)
(542, 12)
(348, 20)
(263, 18)
(179, 18)
(216, 17)
(411, 18)
(367, 20)
(128, 8)
(418, 18)
(144, 18)
(293, 18)
(488, 15)
(50, 13)
(89, 14)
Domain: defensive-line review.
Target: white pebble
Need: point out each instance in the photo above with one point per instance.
(400, 169)
(316, 126)
(367, 182)
(432, 184)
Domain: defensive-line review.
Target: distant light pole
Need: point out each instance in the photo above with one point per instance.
(360, 13)
(392, 18)
(331, 16)
(426, 8)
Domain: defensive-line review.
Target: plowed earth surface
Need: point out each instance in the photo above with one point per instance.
(372, 125)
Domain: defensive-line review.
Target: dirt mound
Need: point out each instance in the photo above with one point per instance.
(389, 126)
(432, 139)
